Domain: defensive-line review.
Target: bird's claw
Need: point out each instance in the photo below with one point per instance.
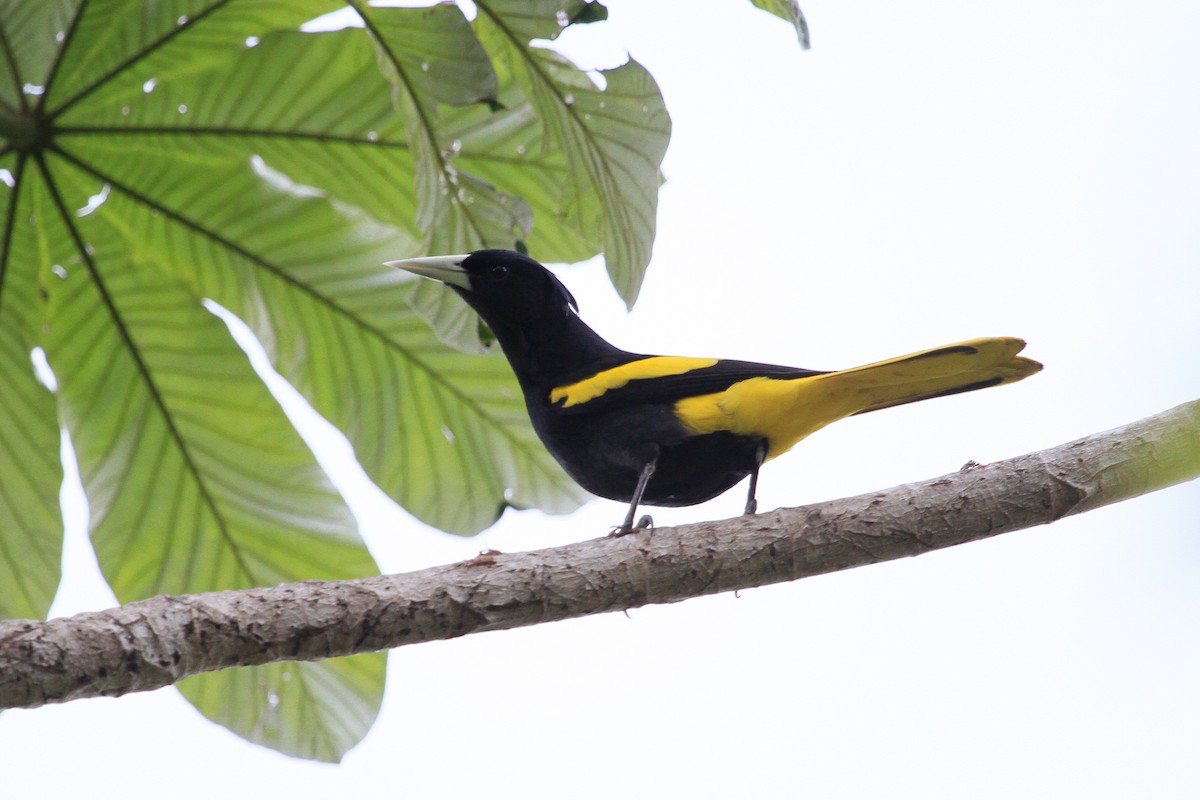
(644, 523)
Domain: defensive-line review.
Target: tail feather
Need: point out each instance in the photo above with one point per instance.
(943, 371)
(784, 411)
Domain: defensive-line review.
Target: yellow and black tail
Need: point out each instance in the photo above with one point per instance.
(962, 367)
(784, 411)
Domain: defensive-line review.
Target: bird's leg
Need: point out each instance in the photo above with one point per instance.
(760, 455)
(645, 521)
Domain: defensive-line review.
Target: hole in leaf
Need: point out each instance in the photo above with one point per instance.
(41, 369)
(95, 201)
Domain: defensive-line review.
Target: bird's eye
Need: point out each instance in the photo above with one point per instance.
(499, 272)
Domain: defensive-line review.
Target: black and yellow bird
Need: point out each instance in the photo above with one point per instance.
(675, 431)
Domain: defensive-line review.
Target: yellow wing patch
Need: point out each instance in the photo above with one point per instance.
(781, 411)
(653, 367)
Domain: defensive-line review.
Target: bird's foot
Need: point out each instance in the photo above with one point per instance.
(751, 508)
(645, 522)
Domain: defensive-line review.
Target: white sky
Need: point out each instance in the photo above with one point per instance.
(929, 172)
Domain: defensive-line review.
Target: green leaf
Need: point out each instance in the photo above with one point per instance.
(179, 415)
(612, 140)
(432, 54)
(506, 147)
(788, 10)
(301, 264)
(194, 478)
(33, 36)
(122, 41)
(316, 711)
(30, 522)
(433, 57)
(443, 432)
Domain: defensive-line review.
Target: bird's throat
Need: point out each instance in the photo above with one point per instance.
(553, 348)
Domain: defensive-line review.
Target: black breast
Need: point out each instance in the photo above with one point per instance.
(604, 452)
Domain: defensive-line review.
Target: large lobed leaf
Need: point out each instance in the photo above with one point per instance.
(603, 147)
(194, 478)
(234, 206)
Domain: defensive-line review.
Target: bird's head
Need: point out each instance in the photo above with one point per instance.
(506, 288)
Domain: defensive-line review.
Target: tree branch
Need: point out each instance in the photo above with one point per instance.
(155, 642)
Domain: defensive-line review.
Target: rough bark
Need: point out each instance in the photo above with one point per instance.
(155, 642)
